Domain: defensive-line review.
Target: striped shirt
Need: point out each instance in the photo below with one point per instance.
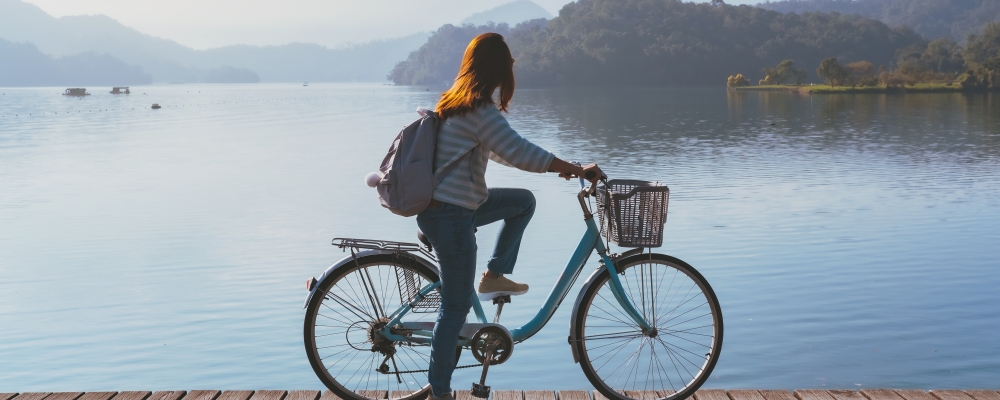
(471, 140)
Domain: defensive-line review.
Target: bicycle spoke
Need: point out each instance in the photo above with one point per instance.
(344, 336)
(623, 357)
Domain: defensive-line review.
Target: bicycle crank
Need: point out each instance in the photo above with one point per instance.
(491, 345)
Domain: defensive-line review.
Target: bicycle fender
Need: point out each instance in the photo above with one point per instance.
(349, 259)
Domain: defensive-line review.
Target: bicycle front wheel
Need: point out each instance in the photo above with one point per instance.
(672, 361)
(343, 323)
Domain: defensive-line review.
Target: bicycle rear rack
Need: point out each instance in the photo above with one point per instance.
(408, 287)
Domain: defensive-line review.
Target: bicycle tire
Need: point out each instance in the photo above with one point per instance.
(344, 305)
(685, 327)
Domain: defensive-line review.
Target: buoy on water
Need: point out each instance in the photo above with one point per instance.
(156, 106)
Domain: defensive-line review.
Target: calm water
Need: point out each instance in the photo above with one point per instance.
(853, 240)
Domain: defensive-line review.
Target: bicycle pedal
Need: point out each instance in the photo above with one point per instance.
(501, 299)
(480, 391)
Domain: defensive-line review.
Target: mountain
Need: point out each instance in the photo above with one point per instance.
(954, 19)
(661, 42)
(367, 62)
(511, 13)
(167, 60)
(22, 64)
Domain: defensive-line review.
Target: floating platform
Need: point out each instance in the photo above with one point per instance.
(708, 394)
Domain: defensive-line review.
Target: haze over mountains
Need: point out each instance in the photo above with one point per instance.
(38, 49)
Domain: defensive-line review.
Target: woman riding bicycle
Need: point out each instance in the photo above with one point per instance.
(472, 132)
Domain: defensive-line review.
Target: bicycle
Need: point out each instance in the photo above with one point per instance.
(643, 322)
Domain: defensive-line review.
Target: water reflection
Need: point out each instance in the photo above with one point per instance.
(619, 123)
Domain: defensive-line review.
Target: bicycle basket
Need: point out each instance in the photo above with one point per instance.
(633, 212)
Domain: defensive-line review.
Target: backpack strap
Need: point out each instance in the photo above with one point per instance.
(454, 163)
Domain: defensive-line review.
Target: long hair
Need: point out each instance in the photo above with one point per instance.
(486, 66)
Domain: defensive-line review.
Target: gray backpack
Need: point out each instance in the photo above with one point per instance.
(407, 172)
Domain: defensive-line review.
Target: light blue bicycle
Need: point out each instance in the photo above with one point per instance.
(644, 323)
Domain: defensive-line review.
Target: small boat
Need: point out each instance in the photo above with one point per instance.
(76, 92)
(118, 90)
(305, 83)
(156, 106)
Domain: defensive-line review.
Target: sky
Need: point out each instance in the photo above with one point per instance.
(212, 23)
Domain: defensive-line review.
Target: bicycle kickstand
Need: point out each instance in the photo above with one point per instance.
(480, 389)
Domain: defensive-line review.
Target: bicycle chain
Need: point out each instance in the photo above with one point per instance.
(427, 370)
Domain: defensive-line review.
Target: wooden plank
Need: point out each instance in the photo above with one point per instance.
(7, 396)
(269, 395)
(811, 394)
(202, 395)
(233, 395)
(464, 395)
(373, 394)
(983, 394)
(776, 395)
(665, 393)
(393, 394)
(745, 394)
(539, 395)
(508, 395)
(32, 396)
(328, 395)
(880, 394)
(167, 395)
(847, 395)
(64, 396)
(133, 395)
(302, 395)
(711, 394)
(565, 395)
(96, 396)
(642, 394)
(950, 395)
(915, 394)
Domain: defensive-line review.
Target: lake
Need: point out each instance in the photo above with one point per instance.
(852, 240)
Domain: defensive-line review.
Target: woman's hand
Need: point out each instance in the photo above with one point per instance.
(569, 171)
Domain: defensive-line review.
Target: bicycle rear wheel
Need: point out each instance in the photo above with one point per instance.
(673, 361)
(342, 322)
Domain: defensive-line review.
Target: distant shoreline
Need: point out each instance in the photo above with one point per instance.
(827, 89)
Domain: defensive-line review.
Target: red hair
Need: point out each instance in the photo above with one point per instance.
(486, 66)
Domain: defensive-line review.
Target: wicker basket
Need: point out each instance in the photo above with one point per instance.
(633, 212)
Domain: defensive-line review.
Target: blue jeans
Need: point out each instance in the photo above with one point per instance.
(451, 230)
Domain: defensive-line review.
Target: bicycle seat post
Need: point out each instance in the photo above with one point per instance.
(500, 301)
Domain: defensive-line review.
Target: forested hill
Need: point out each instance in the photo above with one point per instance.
(954, 19)
(661, 42)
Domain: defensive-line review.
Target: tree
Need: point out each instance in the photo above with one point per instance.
(982, 56)
(737, 81)
(784, 72)
(832, 72)
(983, 46)
(858, 71)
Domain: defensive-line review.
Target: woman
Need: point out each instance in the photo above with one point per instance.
(472, 132)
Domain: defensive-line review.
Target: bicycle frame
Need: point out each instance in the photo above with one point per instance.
(591, 241)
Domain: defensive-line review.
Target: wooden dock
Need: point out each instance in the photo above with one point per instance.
(710, 394)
